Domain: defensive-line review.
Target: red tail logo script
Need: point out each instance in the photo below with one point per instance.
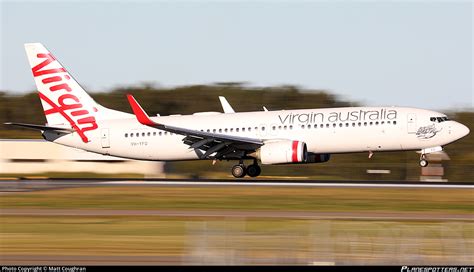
(66, 101)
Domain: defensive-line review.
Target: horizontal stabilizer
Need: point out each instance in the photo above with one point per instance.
(40, 127)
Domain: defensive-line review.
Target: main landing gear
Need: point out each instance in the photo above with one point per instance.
(240, 170)
(423, 161)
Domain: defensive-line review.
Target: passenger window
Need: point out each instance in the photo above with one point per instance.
(263, 128)
(340, 124)
(394, 122)
(284, 127)
(160, 133)
(302, 126)
(433, 119)
(126, 135)
(225, 130)
(315, 126)
(137, 134)
(327, 125)
(347, 124)
(321, 126)
(154, 133)
(237, 129)
(149, 134)
(371, 123)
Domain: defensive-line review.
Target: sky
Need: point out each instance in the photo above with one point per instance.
(397, 53)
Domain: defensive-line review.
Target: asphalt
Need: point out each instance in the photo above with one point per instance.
(25, 185)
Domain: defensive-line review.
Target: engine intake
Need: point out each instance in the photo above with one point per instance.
(282, 151)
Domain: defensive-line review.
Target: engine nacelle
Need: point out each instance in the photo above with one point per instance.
(317, 158)
(282, 151)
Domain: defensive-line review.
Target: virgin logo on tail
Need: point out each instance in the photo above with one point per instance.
(78, 117)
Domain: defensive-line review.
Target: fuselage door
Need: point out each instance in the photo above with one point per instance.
(104, 138)
(411, 123)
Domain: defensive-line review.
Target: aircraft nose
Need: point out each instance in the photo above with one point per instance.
(462, 130)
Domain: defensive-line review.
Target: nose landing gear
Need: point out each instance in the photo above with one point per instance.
(240, 170)
(423, 161)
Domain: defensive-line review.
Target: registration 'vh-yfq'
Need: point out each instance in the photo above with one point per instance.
(266, 137)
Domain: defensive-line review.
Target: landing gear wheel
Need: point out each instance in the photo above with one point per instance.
(423, 163)
(238, 171)
(254, 170)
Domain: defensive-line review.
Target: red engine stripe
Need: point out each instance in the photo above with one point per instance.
(294, 157)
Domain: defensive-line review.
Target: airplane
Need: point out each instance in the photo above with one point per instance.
(266, 137)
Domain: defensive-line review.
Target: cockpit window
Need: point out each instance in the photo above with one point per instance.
(439, 119)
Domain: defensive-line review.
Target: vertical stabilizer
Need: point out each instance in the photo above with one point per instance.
(64, 101)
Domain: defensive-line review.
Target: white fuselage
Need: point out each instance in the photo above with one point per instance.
(330, 130)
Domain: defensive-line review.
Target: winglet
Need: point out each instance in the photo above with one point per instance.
(225, 105)
(141, 115)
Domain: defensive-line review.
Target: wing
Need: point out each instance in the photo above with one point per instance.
(225, 146)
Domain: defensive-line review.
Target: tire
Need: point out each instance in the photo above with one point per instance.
(238, 171)
(423, 163)
(253, 170)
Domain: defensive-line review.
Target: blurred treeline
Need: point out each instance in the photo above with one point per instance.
(26, 108)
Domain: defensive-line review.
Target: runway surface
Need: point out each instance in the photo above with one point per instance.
(22, 185)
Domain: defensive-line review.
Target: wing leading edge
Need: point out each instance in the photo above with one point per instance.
(225, 146)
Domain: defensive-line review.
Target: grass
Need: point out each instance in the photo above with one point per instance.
(210, 240)
(305, 240)
(248, 198)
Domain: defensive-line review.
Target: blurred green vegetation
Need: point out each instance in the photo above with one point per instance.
(195, 98)
(248, 198)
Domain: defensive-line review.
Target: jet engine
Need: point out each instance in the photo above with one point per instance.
(282, 151)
